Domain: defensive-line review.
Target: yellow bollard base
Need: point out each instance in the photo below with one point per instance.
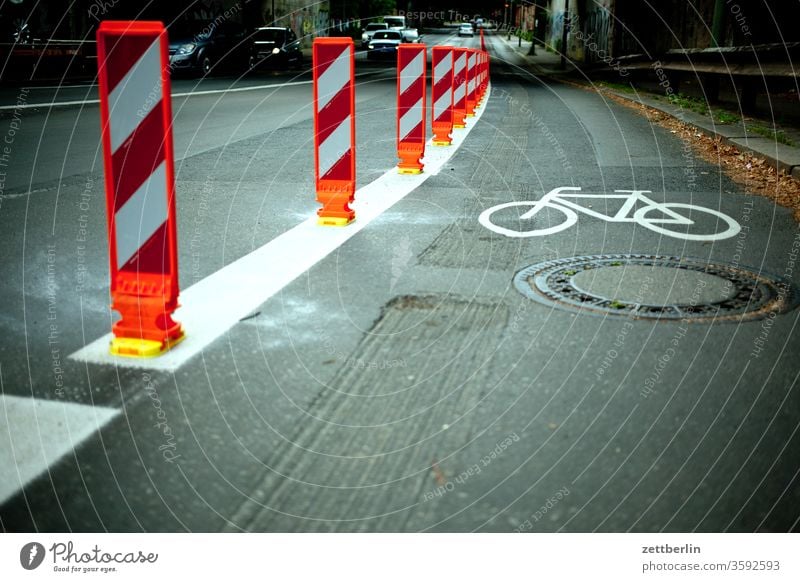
(442, 143)
(470, 115)
(130, 347)
(409, 171)
(333, 221)
(459, 126)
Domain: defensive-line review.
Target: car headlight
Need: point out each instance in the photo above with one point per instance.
(276, 50)
(365, 37)
(371, 46)
(186, 49)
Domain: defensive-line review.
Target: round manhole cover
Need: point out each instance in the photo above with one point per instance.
(656, 287)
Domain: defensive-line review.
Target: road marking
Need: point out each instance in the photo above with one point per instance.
(185, 94)
(215, 304)
(37, 433)
(561, 199)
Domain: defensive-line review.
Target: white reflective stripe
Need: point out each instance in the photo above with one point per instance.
(135, 95)
(458, 93)
(335, 77)
(471, 85)
(411, 119)
(460, 63)
(412, 71)
(334, 147)
(141, 215)
(442, 67)
(441, 105)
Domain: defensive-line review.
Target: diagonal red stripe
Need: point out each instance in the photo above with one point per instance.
(341, 169)
(136, 159)
(330, 116)
(416, 135)
(326, 55)
(412, 94)
(152, 256)
(122, 53)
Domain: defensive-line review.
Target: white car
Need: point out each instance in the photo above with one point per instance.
(370, 30)
(384, 44)
(465, 30)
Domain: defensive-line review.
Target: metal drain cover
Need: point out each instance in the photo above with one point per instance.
(656, 287)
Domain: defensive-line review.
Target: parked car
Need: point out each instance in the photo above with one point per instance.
(197, 46)
(275, 47)
(372, 28)
(384, 44)
(465, 30)
(410, 35)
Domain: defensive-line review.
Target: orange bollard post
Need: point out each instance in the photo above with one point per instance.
(411, 126)
(442, 95)
(136, 118)
(333, 61)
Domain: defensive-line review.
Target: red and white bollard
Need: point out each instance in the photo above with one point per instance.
(334, 129)
(442, 95)
(411, 64)
(483, 75)
(136, 117)
(459, 87)
(472, 77)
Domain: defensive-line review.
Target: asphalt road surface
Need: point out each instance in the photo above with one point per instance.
(403, 382)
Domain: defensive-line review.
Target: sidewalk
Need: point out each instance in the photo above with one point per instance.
(747, 135)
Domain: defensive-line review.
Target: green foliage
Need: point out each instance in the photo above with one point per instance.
(378, 8)
(769, 132)
(726, 117)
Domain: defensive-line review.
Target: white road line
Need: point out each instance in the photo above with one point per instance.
(37, 433)
(185, 94)
(215, 304)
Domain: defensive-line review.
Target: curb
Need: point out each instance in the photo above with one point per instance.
(777, 155)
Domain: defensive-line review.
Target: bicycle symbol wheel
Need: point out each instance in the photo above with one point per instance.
(640, 217)
(570, 218)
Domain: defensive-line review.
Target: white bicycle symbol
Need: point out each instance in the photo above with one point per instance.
(559, 200)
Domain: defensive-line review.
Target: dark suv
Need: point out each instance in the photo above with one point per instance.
(197, 46)
(275, 47)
